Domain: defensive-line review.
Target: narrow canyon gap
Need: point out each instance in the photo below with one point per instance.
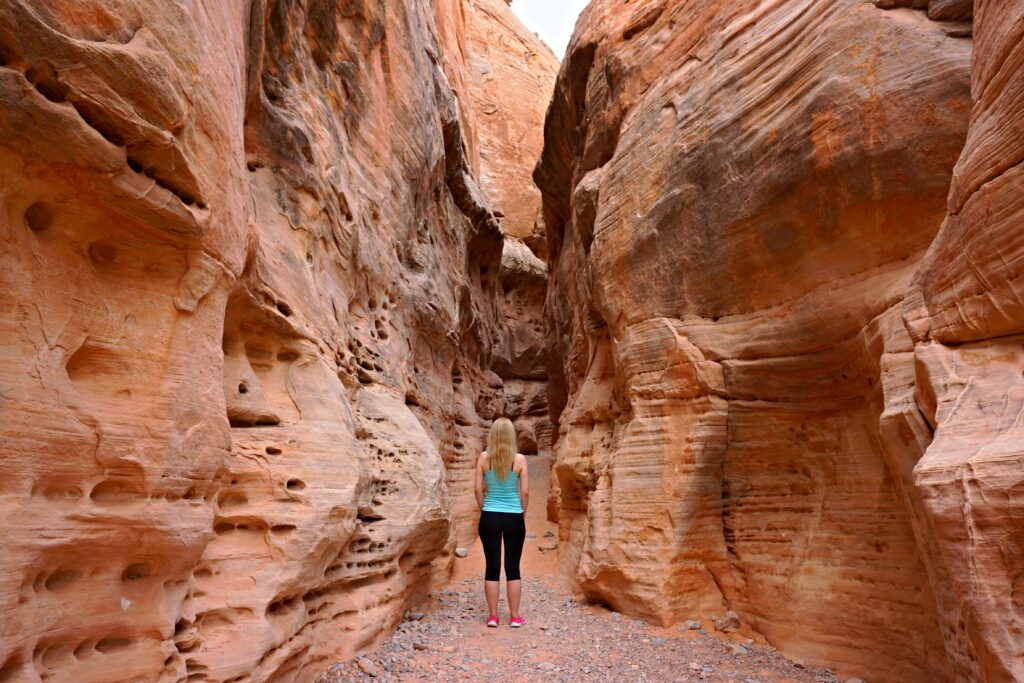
(271, 267)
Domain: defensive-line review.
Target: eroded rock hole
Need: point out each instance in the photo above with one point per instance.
(58, 492)
(368, 516)
(99, 122)
(62, 578)
(273, 450)
(102, 253)
(136, 572)
(261, 422)
(283, 605)
(295, 485)
(113, 644)
(84, 650)
(38, 217)
(46, 82)
(243, 388)
(114, 491)
(11, 667)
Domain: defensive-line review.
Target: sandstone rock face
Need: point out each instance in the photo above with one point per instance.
(742, 203)
(512, 77)
(966, 317)
(521, 360)
(249, 307)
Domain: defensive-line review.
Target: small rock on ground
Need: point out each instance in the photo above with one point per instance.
(367, 667)
(730, 622)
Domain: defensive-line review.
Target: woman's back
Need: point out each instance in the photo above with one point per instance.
(502, 496)
(502, 516)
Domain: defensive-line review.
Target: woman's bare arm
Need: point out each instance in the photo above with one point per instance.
(524, 484)
(478, 481)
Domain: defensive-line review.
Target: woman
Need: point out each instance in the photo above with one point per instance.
(502, 516)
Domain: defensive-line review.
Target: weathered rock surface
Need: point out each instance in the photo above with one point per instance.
(965, 313)
(249, 306)
(512, 76)
(739, 198)
(521, 359)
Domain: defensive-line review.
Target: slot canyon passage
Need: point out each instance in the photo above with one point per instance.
(749, 275)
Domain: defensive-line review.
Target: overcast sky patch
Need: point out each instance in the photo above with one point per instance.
(552, 20)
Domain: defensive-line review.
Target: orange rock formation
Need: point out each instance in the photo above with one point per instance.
(250, 302)
(780, 388)
(509, 67)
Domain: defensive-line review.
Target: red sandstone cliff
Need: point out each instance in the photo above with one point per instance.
(250, 300)
(758, 324)
(511, 77)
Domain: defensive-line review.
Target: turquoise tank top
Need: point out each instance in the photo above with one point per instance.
(502, 496)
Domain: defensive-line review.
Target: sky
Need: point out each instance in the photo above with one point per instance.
(553, 20)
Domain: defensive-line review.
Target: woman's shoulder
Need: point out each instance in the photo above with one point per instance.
(520, 462)
(481, 459)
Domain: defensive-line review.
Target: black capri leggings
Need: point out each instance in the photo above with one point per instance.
(495, 526)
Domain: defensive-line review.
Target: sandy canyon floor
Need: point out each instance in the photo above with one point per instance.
(564, 639)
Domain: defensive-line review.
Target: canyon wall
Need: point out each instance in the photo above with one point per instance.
(965, 314)
(779, 387)
(250, 303)
(512, 74)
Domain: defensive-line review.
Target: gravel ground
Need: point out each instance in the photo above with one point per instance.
(562, 641)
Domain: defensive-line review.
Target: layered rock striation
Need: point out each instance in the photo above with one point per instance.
(779, 387)
(511, 77)
(250, 303)
(965, 315)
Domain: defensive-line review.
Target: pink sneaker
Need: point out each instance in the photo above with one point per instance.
(516, 622)
(492, 621)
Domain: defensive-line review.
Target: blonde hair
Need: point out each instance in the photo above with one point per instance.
(501, 447)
